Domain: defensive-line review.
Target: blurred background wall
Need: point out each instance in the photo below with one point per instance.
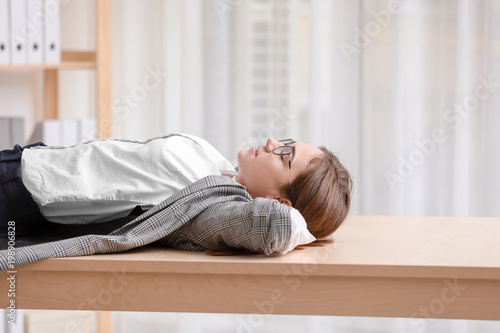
(406, 92)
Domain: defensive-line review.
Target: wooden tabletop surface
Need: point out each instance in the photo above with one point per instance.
(377, 266)
(364, 245)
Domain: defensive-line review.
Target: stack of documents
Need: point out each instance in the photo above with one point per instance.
(64, 132)
(11, 132)
(29, 32)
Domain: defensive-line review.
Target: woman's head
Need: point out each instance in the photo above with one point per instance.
(322, 194)
(320, 185)
(264, 173)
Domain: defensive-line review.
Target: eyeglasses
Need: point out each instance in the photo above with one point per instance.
(286, 150)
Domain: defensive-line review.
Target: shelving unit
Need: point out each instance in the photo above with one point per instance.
(98, 60)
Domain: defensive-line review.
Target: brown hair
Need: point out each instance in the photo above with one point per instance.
(321, 193)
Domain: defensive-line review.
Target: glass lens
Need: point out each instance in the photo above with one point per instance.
(287, 141)
(283, 150)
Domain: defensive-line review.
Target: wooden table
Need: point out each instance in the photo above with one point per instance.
(382, 266)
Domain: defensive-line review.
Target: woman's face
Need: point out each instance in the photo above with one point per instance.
(264, 173)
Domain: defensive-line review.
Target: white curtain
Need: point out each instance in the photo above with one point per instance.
(430, 93)
(406, 92)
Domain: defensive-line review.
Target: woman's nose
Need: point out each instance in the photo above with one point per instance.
(272, 143)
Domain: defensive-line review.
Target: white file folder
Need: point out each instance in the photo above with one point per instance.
(52, 38)
(17, 131)
(35, 26)
(5, 134)
(4, 33)
(52, 133)
(19, 41)
(58, 132)
(48, 132)
(11, 132)
(88, 130)
(69, 135)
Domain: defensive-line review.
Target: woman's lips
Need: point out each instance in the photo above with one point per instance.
(255, 150)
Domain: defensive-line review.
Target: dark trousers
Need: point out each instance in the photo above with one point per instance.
(16, 203)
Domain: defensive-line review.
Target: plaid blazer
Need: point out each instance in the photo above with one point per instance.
(213, 212)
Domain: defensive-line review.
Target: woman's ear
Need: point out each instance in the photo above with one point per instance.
(281, 200)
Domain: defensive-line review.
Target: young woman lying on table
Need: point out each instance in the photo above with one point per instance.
(107, 179)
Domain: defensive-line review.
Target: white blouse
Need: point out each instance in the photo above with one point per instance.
(106, 179)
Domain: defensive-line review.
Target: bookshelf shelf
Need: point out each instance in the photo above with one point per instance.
(62, 65)
(69, 60)
(98, 60)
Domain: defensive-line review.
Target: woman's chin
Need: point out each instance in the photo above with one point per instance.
(242, 157)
